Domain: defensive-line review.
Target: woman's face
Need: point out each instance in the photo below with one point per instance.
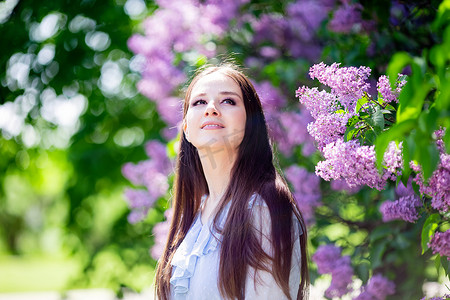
(215, 119)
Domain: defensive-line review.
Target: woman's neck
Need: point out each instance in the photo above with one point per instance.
(217, 165)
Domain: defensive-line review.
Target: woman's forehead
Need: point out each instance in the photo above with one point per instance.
(214, 82)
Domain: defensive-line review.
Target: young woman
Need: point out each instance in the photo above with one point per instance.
(236, 232)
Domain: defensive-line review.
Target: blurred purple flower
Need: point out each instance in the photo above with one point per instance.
(402, 191)
(378, 288)
(402, 209)
(296, 132)
(271, 98)
(347, 18)
(341, 185)
(329, 260)
(440, 243)
(161, 231)
(326, 257)
(341, 278)
(171, 111)
(438, 186)
(306, 188)
(439, 140)
(152, 174)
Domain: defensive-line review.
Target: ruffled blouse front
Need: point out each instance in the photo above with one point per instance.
(195, 264)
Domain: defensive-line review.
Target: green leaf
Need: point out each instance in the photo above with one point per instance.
(362, 270)
(376, 253)
(396, 132)
(378, 118)
(360, 103)
(398, 62)
(379, 232)
(349, 133)
(429, 228)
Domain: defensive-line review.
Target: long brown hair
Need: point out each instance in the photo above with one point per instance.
(252, 172)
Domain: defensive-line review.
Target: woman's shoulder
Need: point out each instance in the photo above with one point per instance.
(262, 219)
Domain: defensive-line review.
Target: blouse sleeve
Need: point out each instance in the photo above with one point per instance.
(261, 284)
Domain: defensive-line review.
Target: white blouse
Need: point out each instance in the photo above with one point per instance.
(195, 264)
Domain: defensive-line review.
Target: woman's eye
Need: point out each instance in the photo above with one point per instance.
(229, 101)
(198, 102)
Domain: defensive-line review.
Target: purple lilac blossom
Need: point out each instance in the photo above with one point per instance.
(348, 83)
(271, 98)
(385, 90)
(440, 243)
(152, 174)
(139, 202)
(317, 102)
(378, 288)
(352, 162)
(402, 191)
(327, 129)
(160, 231)
(393, 161)
(402, 209)
(296, 133)
(438, 186)
(329, 260)
(295, 32)
(439, 140)
(306, 188)
(347, 18)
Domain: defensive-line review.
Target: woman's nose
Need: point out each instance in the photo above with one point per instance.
(211, 109)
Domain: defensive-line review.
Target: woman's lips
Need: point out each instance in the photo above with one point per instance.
(212, 126)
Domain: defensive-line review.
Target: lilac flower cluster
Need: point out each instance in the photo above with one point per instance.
(355, 164)
(306, 188)
(439, 140)
(348, 19)
(347, 83)
(438, 185)
(331, 112)
(385, 90)
(405, 208)
(329, 260)
(440, 243)
(402, 209)
(160, 232)
(152, 174)
(378, 288)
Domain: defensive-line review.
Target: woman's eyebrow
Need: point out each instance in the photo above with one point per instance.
(222, 93)
(230, 93)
